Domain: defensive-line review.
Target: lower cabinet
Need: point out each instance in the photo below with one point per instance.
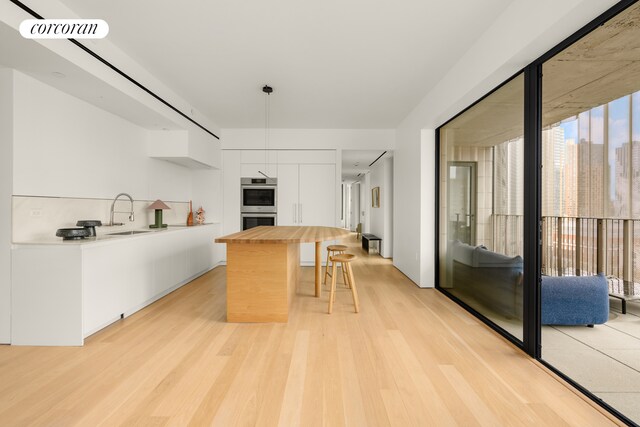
(64, 293)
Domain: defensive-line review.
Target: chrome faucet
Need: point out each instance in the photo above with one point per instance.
(131, 216)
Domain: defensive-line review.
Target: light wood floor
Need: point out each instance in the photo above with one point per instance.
(411, 357)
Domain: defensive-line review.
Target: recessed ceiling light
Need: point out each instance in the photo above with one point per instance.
(58, 74)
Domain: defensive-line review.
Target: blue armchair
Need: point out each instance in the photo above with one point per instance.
(575, 300)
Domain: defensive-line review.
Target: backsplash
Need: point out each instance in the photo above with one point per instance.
(37, 218)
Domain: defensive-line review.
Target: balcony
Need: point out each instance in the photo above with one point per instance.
(587, 246)
(604, 359)
(579, 246)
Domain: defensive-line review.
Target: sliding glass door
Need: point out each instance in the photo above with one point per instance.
(591, 212)
(539, 209)
(481, 207)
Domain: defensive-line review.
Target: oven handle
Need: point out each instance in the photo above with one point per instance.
(259, 187)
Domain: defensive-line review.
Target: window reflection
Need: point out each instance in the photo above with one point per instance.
(481, 206)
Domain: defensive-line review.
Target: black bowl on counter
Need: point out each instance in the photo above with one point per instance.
(90, 224)
(73, 233)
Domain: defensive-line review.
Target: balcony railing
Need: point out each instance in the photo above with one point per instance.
(585, 246)
(507, 234)
(573, 246)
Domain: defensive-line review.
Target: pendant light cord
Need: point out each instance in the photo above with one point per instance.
(266, 130)
(267, 111)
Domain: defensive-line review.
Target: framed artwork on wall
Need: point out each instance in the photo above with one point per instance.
(375, 197)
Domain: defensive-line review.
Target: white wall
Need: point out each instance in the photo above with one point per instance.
(207, 192)
(231, 175)
(6, 179)
(523, 32)
(365, 202)
(346, 221)
(381, 218)
(354, 205)
(64, 146)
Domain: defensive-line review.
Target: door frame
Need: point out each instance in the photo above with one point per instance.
(473, 198)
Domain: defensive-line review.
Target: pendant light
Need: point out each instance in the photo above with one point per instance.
(267, 91)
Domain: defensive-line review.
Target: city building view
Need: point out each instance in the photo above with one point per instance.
(591, 166)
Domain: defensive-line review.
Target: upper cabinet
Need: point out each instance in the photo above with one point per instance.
(191, 148)
(253, 163)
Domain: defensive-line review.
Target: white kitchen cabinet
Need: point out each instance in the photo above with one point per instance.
(288, 195)
(306, 196)
(259, 156)
(191, 148)
(78, 289)
(306, 187)
(317, 195)
(252, 170)
(307, 157)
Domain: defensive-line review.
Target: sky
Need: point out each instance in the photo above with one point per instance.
(618, 127)
(618, 121)
(570, 130)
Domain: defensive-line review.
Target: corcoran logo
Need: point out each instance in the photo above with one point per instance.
(64, 29)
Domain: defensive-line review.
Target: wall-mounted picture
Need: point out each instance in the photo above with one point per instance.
(375, 197)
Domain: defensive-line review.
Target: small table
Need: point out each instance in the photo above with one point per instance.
(367, 239)
(624, 291)
(262, 269)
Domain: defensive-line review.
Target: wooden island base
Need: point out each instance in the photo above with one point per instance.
(263, 268)
(261, 281)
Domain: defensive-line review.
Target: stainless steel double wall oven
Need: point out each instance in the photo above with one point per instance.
(258, 202)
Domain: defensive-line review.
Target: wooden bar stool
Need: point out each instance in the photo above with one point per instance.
(333, 250)
(345, 260)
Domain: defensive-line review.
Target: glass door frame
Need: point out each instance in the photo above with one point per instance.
(532, 251)
(473, 166)
(526, 326)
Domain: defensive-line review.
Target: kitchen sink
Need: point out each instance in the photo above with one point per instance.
(128, 233)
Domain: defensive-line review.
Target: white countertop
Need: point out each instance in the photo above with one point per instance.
(104, 236)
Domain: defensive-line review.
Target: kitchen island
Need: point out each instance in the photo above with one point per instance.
(64, 291)
(262, 269)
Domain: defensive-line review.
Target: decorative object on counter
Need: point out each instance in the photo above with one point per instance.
(158, 205)
(73, 233)
(90, 225)
(190, 216)
(200, 216)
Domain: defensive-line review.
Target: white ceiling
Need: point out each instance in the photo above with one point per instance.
(332, 64)
(356, 162)
(39, 62)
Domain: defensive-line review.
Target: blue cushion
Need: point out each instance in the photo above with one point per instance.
(575, 300)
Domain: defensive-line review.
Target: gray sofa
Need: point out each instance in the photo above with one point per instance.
(491, 279)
